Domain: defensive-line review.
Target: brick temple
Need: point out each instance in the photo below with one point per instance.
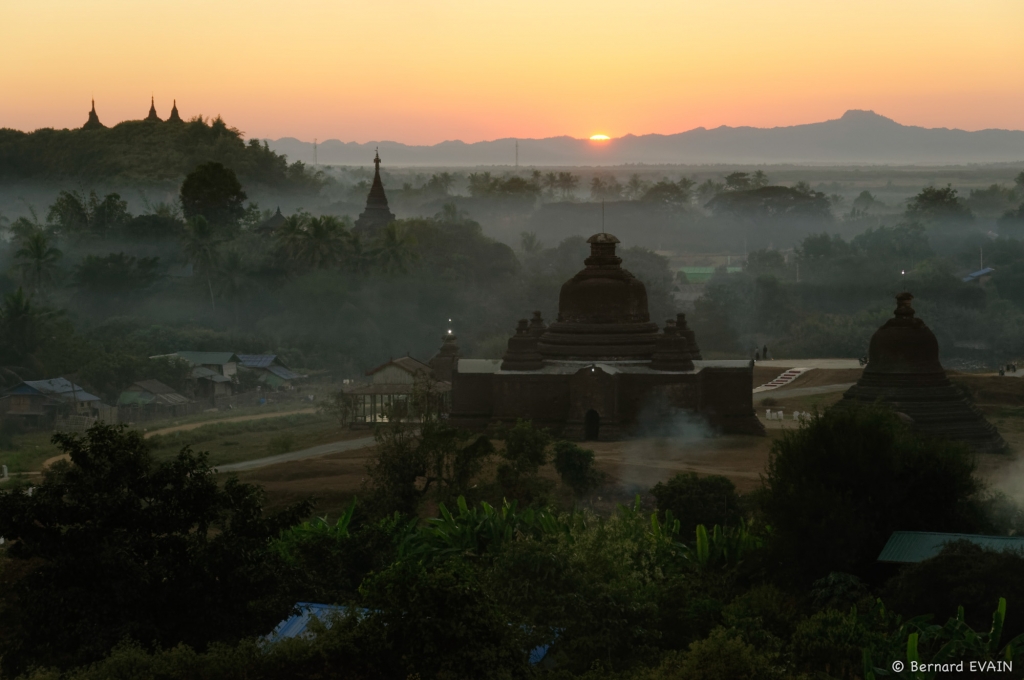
(904, 372)
(603, 370)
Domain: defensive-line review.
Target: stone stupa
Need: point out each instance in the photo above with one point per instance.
(174, 117)
(94, 120)
(903, 371)
(152, 117)
(377, 214)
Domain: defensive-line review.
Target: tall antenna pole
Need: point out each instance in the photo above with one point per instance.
(315, 163)
(517, 154)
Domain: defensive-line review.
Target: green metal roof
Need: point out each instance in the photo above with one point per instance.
(916, 546)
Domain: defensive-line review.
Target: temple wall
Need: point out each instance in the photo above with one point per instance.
(561, 402)
(727, 400)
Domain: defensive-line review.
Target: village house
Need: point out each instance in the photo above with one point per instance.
(394, 383)
(212, 372)
(41, 401)
(271, 370)
(151, 399)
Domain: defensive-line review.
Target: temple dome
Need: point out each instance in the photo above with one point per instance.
(602, 312)
(904, 372)
(904, 344)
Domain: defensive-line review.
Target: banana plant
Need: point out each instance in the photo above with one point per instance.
(958, 642)
(480, 531)
(724, 546)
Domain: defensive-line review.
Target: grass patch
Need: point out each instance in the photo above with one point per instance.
(28, 451)
(251, 439)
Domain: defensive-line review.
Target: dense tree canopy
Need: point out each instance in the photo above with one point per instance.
(123, 546)
(142, 150)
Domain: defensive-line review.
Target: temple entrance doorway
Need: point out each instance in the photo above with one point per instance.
(591, 425)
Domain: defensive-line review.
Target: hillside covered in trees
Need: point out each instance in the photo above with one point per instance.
(145, 150)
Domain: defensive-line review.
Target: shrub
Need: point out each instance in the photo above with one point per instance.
(575, 466)
(697, 500)
(963, 574)
(837, 488)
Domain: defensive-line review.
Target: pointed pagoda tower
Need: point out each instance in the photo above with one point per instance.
(443, 363)
(94, 121)
(904, 372)
(377, 215)
(152, 117)
(174, 117)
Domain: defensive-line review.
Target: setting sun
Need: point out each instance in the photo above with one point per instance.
(599, 138)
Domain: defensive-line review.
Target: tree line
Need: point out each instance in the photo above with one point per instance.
(117, 564)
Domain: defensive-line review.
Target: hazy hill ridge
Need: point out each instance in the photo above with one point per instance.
(857, 137)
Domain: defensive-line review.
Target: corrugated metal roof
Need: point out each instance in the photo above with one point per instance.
(149, 391)
(208, 374)
(297, 625)
(208, 358)
(915, 546)
(405, 363)
(154, 387)
(978, 274)
(60, 387)
(258, 360)
(284, 373)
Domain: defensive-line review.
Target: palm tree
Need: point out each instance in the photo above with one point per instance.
(531, 244)
(358, 259)
(550, 183)
(636, 187)
(289, 236)
(233, 279)
(201, 248)
(38, 259)
(396, 249)
(22, 327)
(567, 182)
(323, 243)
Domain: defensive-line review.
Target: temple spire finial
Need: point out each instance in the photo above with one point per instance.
(174, 117)
(93, 123)
(152, 111)
(377, 215)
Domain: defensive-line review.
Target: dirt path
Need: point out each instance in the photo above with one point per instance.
(312, 452)
(50, 461)
(234, 419)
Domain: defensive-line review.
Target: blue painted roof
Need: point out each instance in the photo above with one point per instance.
(55, 387)
(916, 546)
(297, 625)
(257, 360)
(978, 274)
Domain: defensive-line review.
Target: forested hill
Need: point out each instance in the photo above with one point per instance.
(145, 151)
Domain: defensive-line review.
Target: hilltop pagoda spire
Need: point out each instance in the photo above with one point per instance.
(94, 121)
(152, 112)
(377, 214)
(174, 117)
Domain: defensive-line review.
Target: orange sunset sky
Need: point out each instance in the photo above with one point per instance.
(423, 71)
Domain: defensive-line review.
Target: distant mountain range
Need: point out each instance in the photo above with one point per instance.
(859, 137)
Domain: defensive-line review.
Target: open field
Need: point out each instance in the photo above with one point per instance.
(632, 466)
(228, 440)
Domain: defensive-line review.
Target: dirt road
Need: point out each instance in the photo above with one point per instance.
(234, 419)
(312, 452)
